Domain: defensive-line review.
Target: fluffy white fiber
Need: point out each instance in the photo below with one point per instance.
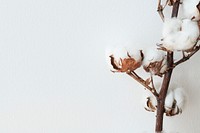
(117, 51)
(191, 28)
(169, 100)
(122, 52)
(179, 96)
(190, 10)
(174, 94)
(171, 25)
(154, 55)
(184, 39)
(134, 52)
(148, 94)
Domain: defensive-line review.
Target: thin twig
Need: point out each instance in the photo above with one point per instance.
(153, 86)
(160, 10)
(185, 58)
(142, 82)
(167, 1)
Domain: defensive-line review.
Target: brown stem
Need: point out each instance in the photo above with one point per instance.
(166, 80)
(175, 8)
(163, 93)
(143, 82)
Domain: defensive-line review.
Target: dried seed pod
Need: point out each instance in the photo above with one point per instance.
(155, 62)
(174, 111)
(150, 104)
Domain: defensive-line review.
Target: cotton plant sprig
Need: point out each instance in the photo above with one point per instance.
(179, 34)
(129, 59)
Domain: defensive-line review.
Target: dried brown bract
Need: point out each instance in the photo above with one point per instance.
(174, 110)
(150, 106)
(155, 68)
(126, 64)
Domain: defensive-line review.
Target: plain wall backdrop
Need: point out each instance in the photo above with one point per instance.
(53, 72)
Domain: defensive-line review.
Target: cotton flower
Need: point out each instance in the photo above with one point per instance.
(123, 59)
(155, 62)
(171, 25)
(183, 40)
(190, 10)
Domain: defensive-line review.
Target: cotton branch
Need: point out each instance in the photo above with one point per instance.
(143, 82)
(166, 80)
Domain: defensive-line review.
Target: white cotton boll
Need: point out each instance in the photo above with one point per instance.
(190, 10)
(179, 96)
(170, 41)
(155, 62)
(188, 35)
(178, 41)
(169, 100)
(136, 54)
(184, 39)
(171, 25)
(191, 28)
(152, 55)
